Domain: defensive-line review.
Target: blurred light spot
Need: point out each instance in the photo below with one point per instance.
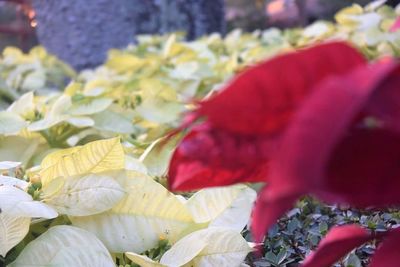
(275, 7)
(33, 23)
(31, 14)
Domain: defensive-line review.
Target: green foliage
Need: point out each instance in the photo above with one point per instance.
(300, 231)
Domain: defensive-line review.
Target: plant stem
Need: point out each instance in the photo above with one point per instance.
(68, 133)
(49, 140)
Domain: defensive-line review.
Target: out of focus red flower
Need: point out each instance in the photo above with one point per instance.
(342, 239)
(342, 146)
(339, 241)
(244, 123)
(320, 121)
(396, 25)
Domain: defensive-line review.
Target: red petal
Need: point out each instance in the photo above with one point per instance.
(387, 254)
(209, 157)
(337, 243)
(396, 25)
(385, 102)
(361, 163)
(320, 125)
(268, 210)
(262, 99)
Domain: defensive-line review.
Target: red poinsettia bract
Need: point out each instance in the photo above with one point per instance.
(343, 146)
(244, 123)
(396, 25)
(342, 239)
(320, 121)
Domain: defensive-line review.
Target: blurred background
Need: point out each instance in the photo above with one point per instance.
(73, 29)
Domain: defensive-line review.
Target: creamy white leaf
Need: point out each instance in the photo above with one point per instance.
(228, 207)
(85, 195)
(12, 230)
(11, 181)
(16, 202)
(64, 246)
(147, 213)
(208, 247)
(6, 165)
(11, 123)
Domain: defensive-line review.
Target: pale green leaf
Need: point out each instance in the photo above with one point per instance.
(142, 261)
(94, 91)
(228, 207)
(72, 88)
(160, 111)
(124, 62)
(374, 5)
(52, 188)
(317, 30)
(16, 202)
(55, 156)
(236, 216)
(16, 148)
(11, 123)
(397, 10)
(65, 246)
(188, 89)
(207, 204)
(23, 106)
(12, 230)
(90, 107)
(157, 155)
(208, 247)
(80, 122)
(183, 252)
(94, 157)
(35, 80)
(85, 195)
(342, 17)
(168, 45)
(7, 165)
(147, 213)
(367, 20)
(133, 164)
(56, 114)
(185, 71)
(61, 105)
(11, 181)
(113, 122)
(272, 36)
(46, 123)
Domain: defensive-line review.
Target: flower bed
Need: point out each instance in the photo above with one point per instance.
(84, 168)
